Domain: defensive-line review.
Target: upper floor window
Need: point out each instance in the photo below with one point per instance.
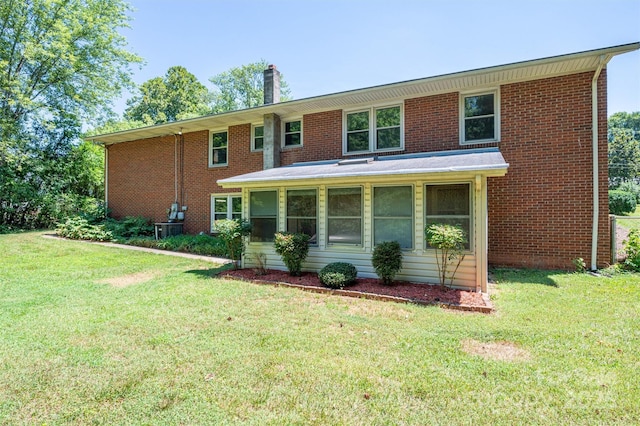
(257, 138)
(218, 145)
(292, 133)
(374, 129)
(479, 118)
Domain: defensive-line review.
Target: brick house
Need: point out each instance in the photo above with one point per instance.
(516, 154)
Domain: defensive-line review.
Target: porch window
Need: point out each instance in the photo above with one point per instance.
(263, 215)
(344, 215)
(257, 138)
(225, 207)
(479, 120)
(218, 149)
(450, 204)
(393, 215)
(302, 212)
(374, 129)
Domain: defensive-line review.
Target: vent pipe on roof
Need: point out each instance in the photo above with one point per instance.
(271, 85)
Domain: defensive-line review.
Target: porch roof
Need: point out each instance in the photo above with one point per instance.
(485, 161)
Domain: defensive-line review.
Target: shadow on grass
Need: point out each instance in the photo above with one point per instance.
(527, 276)
(209, 273)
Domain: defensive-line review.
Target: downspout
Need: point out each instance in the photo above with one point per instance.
(596, 182)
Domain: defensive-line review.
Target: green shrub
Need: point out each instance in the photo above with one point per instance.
(632, 249)
(338, 274)
(293, 248)
(621, 202)
(232, 233)
(449, 242)
(147, 242)
(130, 226)
(632, 188)
(77, 228)
(387, 260)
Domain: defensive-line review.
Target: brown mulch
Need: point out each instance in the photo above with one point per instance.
(400, 291)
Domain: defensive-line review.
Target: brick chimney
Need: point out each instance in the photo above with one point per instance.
(271, 85)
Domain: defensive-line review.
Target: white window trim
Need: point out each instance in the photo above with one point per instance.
(211, 133)
(472, 219)
(230, 212)
(496, 116)
(248, 215)
(286, 209)
(413, 213)
(253, 137)
(362, 216)
(283, 135)
(372, 129)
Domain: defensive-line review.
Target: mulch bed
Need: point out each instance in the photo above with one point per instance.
(372, 288)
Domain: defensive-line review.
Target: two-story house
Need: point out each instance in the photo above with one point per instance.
(516, 154)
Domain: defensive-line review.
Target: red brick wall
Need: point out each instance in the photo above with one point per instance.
(539, 213)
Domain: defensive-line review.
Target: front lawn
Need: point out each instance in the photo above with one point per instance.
(99, 335)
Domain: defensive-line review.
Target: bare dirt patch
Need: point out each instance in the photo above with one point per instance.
(498, 351)
(127, 280)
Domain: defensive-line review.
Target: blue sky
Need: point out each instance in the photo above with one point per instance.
(330, 46)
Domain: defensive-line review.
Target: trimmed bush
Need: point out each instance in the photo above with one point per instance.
(632, 249)
(632, 188)
(621, 202)
(387, 260)
(77, 228)
(338, 275)
(232, 232)
(449, 242)
(293, 248)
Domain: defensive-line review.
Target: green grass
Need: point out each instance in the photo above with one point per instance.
(630, 223)
(179, 347)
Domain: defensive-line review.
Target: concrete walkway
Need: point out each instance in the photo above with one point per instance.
(219, 260)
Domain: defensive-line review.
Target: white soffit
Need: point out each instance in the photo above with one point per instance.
(466, 80)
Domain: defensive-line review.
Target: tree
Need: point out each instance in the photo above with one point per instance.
(177, 95)
(624, 148)
(243, 87)
(61, 62)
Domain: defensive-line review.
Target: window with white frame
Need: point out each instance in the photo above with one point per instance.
(225, 207)
(393, 215)
(449, 204)
(373, 129)
(257, 138)
(479, 119)
(344, 216)
(218, 144)
(302, 212)
(263, 215)
(292, 133)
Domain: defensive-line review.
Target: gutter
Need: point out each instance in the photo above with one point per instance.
(596, 167)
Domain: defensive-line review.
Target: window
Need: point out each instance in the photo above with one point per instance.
(257, 138)
(293, 133)
(479, 118)
(218, 149)
(450, 204)
(263, 215)
(344, 216)
(302, 208)
(383, 133)
(393, 215)
(225, 207)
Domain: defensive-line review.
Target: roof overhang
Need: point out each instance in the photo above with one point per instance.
(429, 166)
(466, 80)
